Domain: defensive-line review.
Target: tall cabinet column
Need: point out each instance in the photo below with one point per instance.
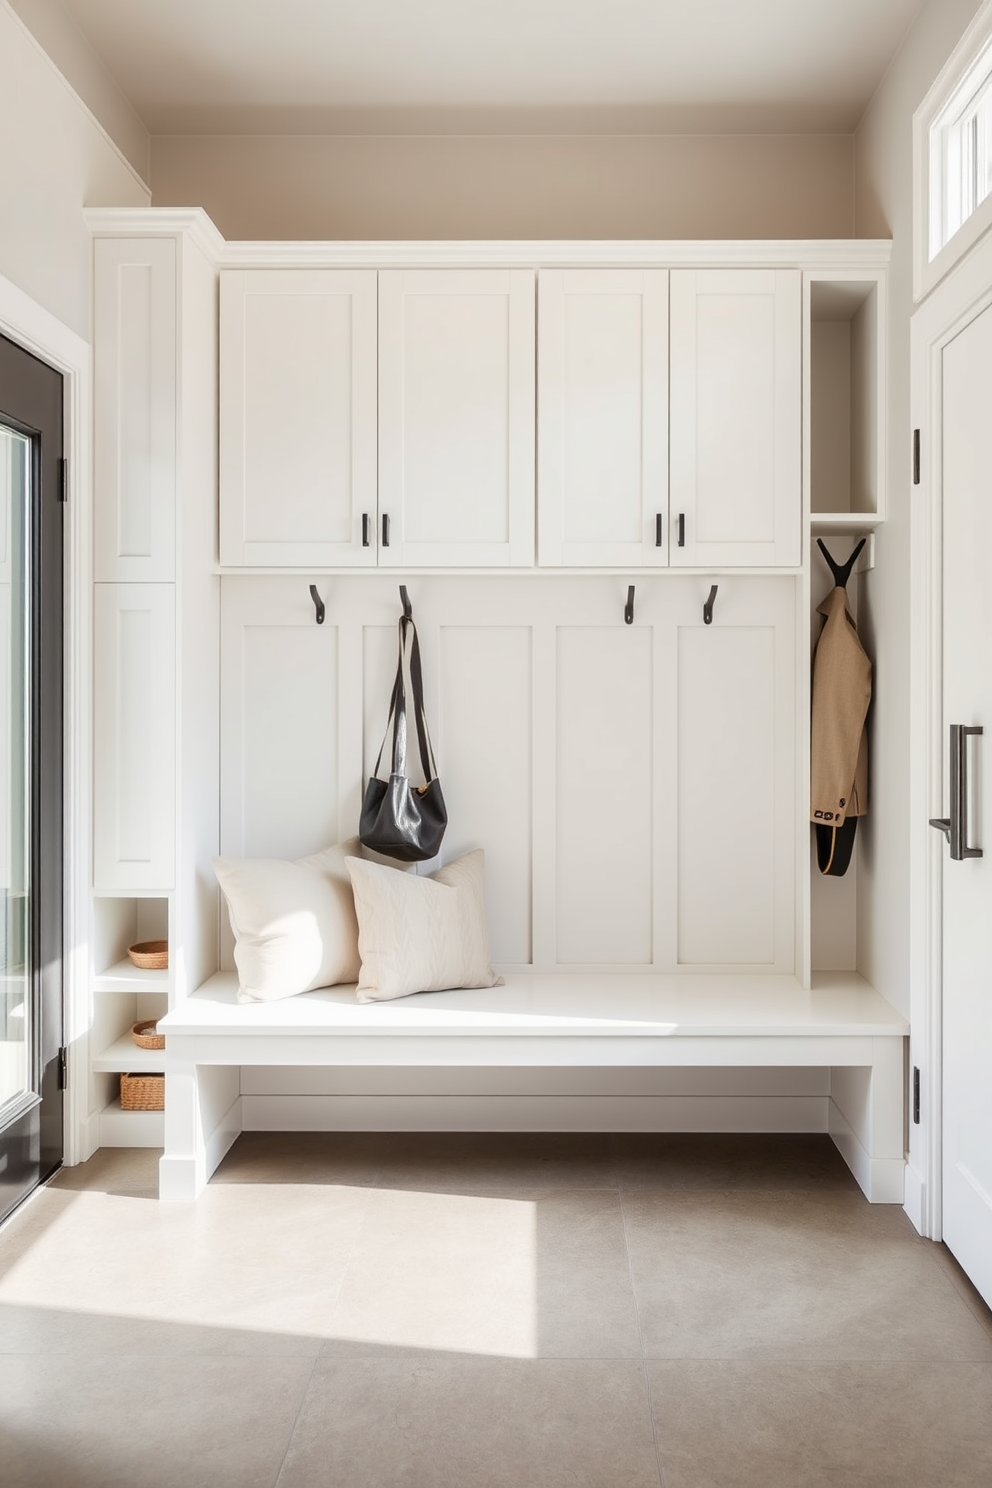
(156, 622)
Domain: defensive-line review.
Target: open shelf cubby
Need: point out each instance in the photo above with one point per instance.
(845, 329)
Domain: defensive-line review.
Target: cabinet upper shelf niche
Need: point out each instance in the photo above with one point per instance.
(845, 443)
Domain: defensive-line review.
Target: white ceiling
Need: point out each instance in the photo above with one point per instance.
(274, 66)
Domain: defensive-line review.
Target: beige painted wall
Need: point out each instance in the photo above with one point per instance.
(56, 161)
(425, 187)
(884, 208)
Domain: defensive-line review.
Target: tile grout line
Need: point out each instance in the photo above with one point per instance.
(975, 1304)
(296, 1421)
(640, 1343)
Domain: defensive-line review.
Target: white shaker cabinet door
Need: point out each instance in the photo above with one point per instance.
(135, 392)
(134, 738)
(456, 417)
(736, 417)
(726, 773)
(298, 417)
(603, 417)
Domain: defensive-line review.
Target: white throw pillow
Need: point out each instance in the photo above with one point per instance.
(421, 934)
(294, 923)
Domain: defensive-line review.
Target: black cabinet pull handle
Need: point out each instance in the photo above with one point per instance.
(385, 529)
(366, 535)
(681, 529)
(955, 826)
(659, 534)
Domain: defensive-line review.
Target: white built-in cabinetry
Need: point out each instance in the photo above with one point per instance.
(298, 416)
(669, 417)
(518, 439)
(155, 608)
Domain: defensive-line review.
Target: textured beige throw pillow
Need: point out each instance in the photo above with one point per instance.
(294, 923)
(421, 934)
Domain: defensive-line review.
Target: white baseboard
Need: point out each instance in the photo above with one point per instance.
(915, 1201)
(882, 1180)
(182, 1178)
(555, 1113)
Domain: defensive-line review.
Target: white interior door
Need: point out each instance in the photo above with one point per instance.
(966, 478)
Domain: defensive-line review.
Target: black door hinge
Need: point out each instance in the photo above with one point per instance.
(916, 1096)
(63, 1070)
(916, 457)
(63, 480)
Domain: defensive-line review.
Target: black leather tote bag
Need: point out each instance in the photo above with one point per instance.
(399, 819)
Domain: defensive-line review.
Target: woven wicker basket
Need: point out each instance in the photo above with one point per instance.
(145, 1035)
(142, 1092)
(150, 955)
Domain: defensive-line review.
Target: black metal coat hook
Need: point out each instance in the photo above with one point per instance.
(405, 601)
(840, 571)
(318, 604)
(628, 609)
(708, 606)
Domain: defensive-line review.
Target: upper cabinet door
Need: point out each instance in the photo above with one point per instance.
(134, 437)
(603, 416)
(456, 417)
(736, 417)
(298, 417)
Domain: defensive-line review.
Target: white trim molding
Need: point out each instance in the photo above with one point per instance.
(959, 298)
(39, 332)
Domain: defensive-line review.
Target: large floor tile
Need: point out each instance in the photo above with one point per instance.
(131, 1170)
(473, 1423)
(351, 1158)
(541, 1275)
(762, 1425)
(244, 1269)
(734, 1160)
(75, 1422)
(789, 1276)
(486, 1162)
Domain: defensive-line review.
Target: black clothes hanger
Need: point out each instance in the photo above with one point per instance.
(840, 571)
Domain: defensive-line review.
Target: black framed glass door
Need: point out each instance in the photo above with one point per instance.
(31, 772)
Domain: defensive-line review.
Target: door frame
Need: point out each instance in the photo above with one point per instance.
(956, 301)
(34, 328)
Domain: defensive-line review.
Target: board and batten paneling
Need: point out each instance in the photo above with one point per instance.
(456, 417)
(135, 401)
(633, 786)
(280, 786)
(736, 419)
(298, 416)
(727, 775)
(603, 417)
(134, 742)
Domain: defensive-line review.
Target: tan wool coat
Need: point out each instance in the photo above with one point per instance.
(841, 694)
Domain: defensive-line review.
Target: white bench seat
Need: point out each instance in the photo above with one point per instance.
(589, 1019)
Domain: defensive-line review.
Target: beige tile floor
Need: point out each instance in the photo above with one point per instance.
(425, 1311)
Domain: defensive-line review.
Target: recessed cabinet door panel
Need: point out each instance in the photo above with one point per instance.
(298, 417)
(280, 745)
(603, 416)
(736, 417)
(729, 776)
(134, 432)
(456, 417)
(605, 785)
(134, 738)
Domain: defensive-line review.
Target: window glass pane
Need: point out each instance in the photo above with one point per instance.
(15, 770)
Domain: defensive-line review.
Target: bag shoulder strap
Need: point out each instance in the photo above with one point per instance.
(408, 658)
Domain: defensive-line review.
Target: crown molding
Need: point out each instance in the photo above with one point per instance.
(157, 222)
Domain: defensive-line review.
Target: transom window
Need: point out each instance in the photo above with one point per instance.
(952, 132)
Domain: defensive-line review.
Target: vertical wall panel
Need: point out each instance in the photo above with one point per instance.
(290, 781)
(485, 766)
(135, 389)
(605, 781)
(726, 791)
